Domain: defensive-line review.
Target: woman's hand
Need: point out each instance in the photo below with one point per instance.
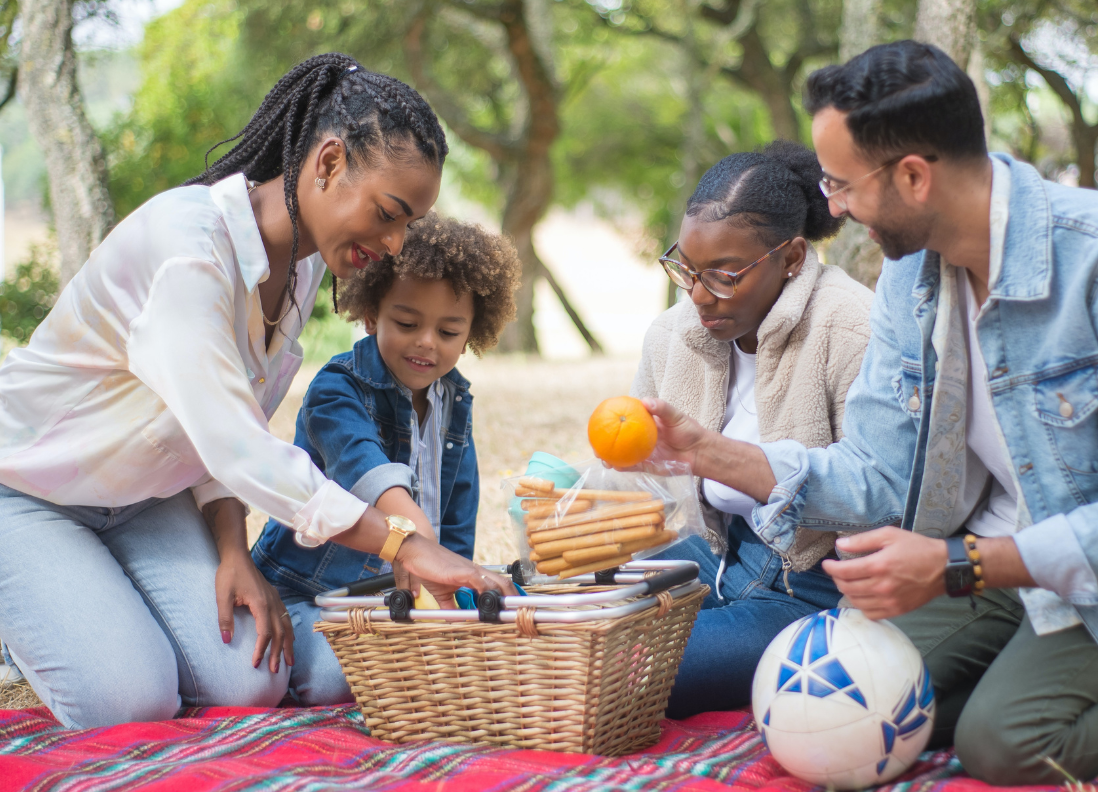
(239, 584)
(442, 572)
(396, 500)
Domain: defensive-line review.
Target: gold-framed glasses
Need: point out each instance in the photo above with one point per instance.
(834, 190)
(720, 283)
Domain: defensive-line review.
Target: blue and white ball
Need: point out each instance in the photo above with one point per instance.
(843, 701)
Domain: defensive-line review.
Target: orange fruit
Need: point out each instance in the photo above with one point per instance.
(622, 432)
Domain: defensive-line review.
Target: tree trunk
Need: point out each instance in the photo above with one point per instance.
(860, 28)
(852, 249)
(949, 25)
(75, 162)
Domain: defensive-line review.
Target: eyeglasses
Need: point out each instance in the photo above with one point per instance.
(720, 283)
(832, 192)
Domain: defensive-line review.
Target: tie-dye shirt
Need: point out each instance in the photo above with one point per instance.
(151, 375)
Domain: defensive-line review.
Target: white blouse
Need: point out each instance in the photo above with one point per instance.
(150, 375)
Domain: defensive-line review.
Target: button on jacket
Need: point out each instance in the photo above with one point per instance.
(151, 374)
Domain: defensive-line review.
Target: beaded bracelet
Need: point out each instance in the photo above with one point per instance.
(974, 558)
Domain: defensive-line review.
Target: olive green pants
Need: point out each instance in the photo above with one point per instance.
(1007, 697)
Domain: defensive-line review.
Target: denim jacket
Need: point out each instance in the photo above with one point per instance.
(356, 424)
(1039, 337)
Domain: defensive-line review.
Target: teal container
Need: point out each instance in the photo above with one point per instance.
(548, 467)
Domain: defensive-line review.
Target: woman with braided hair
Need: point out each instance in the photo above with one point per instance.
(133, 426)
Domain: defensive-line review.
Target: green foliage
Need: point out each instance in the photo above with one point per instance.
(28, 297)
(325, 337)
(196, 92)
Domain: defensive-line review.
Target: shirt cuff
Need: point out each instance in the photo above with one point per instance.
(331, 511)
(777, 519)
(1056, 561)
(375, 482)
(209, 489)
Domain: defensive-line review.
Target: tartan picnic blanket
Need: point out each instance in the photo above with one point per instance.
(329, 748)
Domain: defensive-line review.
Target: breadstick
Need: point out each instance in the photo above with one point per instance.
(604, 513)
(550, 549)
(552, 566)
(586, 555)
(542, 510)
(612, 495)
(550, 535)
(526, 492)
(540, 485)
(594, 566)
(655, 540)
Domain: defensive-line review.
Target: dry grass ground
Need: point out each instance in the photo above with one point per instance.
(520, 406)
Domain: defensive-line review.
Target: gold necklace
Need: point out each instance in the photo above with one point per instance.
(285, 291)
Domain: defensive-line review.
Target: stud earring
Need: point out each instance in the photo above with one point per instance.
(321, 183)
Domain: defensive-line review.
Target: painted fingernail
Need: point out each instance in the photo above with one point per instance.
(256, 663)
(226, 636)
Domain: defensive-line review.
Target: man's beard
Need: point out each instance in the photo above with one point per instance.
(901, 232)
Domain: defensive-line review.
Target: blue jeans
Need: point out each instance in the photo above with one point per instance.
(730, 636)
(316, 679)
(110, 612)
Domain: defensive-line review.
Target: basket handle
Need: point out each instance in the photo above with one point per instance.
(371, 584)
(671, 578)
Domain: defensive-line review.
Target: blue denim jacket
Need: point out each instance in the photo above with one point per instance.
(356, 425)
(1039, 338)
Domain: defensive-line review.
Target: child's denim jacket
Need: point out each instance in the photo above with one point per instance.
(356, 425)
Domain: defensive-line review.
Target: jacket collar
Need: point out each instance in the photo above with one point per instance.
(790, 306)
(1025, 270)
(231, 196)
(371, 369)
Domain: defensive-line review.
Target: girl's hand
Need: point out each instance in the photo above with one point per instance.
(239, 584)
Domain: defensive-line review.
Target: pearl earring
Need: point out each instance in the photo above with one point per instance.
(321, 183)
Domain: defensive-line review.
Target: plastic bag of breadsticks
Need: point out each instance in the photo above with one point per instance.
(573, 519)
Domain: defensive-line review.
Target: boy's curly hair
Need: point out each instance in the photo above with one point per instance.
(436, 248)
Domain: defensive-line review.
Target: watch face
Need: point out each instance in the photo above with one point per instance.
(958, 579)
(400, 524)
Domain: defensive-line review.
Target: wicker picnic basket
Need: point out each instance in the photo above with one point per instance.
(591, 672)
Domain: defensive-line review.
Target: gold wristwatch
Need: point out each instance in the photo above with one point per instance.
(400, 528)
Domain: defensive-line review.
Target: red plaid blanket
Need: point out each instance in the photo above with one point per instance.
(330, 749)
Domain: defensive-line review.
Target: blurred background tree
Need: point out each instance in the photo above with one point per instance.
(615, 104)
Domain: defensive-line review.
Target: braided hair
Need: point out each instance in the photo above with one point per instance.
(376, 117)
(774, 190)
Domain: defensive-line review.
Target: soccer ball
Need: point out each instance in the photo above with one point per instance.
(843, 701)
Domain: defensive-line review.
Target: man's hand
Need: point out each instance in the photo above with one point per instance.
(734, 463)
(904, 571)
(239, 584)
(680, 437)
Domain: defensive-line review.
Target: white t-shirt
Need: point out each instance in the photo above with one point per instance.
(982, 433)
(741, 422)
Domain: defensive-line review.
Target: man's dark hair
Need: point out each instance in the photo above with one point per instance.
(775, 191)
(376, 117)
(903, 98)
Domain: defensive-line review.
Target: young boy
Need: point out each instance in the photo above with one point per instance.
(391, 420)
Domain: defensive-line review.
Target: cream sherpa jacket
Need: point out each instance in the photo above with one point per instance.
(810, 349)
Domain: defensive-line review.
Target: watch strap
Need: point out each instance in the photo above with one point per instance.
(960, 575)
(392, 545)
